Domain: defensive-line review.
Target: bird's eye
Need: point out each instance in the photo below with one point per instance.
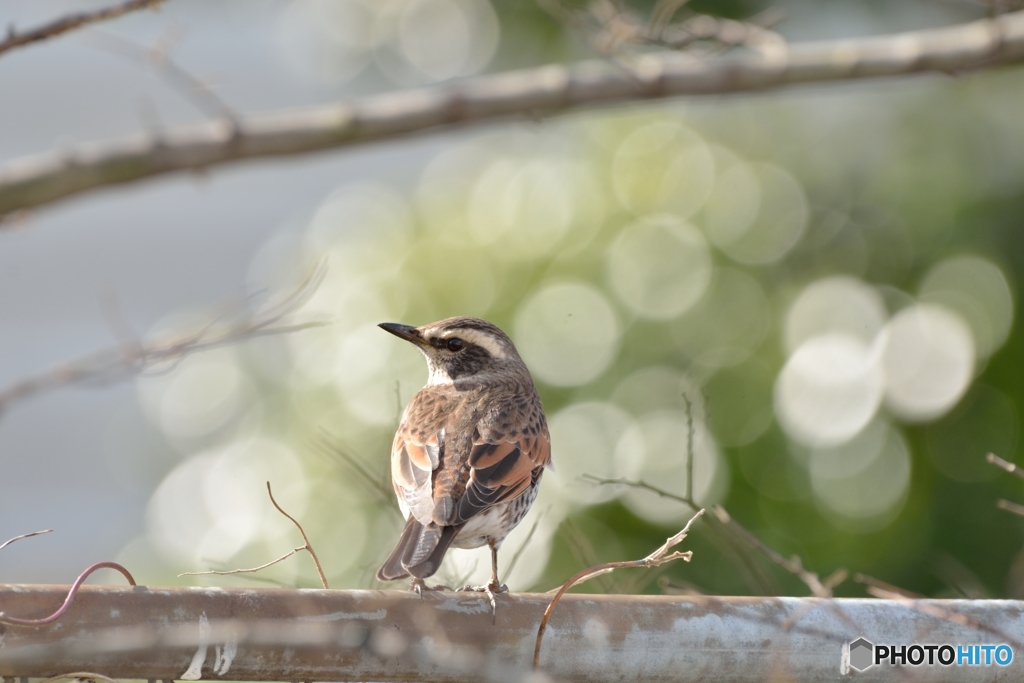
(455, 344)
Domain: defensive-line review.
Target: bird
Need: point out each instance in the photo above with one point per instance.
(470, 449)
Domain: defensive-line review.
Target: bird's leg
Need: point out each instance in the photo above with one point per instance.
(493, 587)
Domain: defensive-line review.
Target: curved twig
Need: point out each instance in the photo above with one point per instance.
(4, 619)
(658, 557)
(252, 570)
(29, 535)
(308, 546)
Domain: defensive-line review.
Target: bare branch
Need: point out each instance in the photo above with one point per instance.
(70, 22)
(137, 358)
(1010, 507)
(29, 535)
(158, 57)
(307, 547)
(609, 26)
(643, 485)
(1004, 465)
(879, 588)
(35, 181)
(793, 565)
(931, 609)
(251, 570)
(655, 559)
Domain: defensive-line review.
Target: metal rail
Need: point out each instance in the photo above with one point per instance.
(327, 635)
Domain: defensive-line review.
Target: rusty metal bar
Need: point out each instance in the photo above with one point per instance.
(327, 635)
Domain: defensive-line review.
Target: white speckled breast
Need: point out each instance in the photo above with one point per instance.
(495, 523)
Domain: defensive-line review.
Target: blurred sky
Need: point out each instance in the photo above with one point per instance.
(149, 250)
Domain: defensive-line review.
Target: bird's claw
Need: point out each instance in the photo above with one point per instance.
(417, 586)
(490, 590)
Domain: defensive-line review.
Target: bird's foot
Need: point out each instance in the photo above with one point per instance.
(491, 590)
(417, 586)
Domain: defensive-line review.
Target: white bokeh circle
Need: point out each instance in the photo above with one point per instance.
(214, 504)
(928, 357)
(199, 396)
(420, 41)
(659, 267)
(865, 478)
(567, 334)
(663, 167)
(839, 304)
(653, 450)
(583, 438)
(977, 290)
(828, 390)
(757, 214)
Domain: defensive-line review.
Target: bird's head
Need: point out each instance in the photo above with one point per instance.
(458, 348)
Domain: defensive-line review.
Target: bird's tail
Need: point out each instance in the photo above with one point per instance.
(419, 551)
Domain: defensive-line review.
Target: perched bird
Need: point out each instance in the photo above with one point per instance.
(470, 449)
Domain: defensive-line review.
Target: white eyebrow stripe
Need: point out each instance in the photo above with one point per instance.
(483, 340)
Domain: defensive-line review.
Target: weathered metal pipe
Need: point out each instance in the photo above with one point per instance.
(321, 635)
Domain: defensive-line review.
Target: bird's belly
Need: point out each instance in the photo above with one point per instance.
(495, 523)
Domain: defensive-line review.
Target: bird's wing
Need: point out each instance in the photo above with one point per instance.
(412, 461)
(501, 468)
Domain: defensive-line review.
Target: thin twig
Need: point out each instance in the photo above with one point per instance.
(307, 546)
(881, 589)
(655, 559)
(1016, 509)
(945, 614)
(546, 90)
(581, 549)
(29, 535)
(689, 447)
(70, 22)
(1004, 465)
(622, 481)
(608, 26)
(4, 619)
(250, 570)
(793, 565)
(190, 87)
(378, 484)
(164, 355)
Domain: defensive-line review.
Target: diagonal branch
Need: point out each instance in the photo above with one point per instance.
(69, 23)
(28, 535)
(40, 180)
(136, 358)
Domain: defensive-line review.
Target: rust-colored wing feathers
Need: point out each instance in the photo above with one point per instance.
(501, 471)
(491, 457)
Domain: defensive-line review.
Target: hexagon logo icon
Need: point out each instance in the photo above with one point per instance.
(861, 652)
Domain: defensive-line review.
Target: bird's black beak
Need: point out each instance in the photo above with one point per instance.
(406, 332)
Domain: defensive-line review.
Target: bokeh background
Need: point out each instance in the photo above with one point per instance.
(811, 293)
